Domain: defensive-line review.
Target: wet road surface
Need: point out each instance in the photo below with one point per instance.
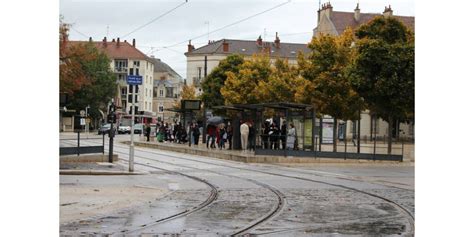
(262, 199)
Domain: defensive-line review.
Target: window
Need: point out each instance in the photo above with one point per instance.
(161, 93)
(136, 63)
(160, 108)
(137, 71)
(121, 65)
(155, 91)
(123, 90)
(130, 71)
(199, 73)
(169, 92)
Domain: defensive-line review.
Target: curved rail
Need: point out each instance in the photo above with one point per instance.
(275, 211)
(391, 202)
(395, 204)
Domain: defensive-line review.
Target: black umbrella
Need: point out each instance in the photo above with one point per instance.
(216, 120)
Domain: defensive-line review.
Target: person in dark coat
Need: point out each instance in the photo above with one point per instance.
(274, 136)
(196, 134)
(148, 131)
(222, 138)
(283, 135)
(229, 135)
(265, 136)
(251, 137)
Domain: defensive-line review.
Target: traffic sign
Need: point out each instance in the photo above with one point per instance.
(83, 122)
(83, 113)
(134, 80)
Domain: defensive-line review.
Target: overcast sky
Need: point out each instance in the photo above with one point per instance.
(293, 21)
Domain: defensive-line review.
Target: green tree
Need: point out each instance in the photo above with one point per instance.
(327, 86)
(243, 87)
(281, 85)
(84, 74)
(211, 86)
(101, 86)
(383, 71)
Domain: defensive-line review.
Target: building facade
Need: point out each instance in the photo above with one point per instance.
(202, 60)
(167, 87)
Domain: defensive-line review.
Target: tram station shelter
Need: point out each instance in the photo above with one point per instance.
(308, 130)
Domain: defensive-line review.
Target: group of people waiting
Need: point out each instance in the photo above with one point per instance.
(175, 133)
(220, 135)
(273, 137)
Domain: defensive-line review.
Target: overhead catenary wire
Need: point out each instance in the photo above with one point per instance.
(155, 19)
(227, 26)
(74, 29)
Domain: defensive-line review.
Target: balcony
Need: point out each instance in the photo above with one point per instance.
(121, 70)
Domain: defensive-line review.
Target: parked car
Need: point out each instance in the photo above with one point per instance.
(104, 129)
(122, 129)
(138, 128)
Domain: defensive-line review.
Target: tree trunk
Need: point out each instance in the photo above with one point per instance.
(390, 127)
(334, 134)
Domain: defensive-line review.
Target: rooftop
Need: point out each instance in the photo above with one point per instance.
(251, 47)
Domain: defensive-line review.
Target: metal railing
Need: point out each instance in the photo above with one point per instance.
(73, 146)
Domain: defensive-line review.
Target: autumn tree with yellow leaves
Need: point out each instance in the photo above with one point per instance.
(327, 86)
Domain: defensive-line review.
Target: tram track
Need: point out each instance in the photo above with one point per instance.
(398, 206)
(402, 209)
(274, 212)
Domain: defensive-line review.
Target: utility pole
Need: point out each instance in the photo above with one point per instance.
(111, 119)
(132, 148)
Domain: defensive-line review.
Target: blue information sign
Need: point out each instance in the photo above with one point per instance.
(134, 80)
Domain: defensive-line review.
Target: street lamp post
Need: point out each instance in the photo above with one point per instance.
(87, 123)
(132, 148)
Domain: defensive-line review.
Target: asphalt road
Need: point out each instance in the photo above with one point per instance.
(201, 196)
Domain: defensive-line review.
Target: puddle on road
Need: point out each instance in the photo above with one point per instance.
(132, 218)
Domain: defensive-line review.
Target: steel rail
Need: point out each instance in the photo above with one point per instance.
(393, 203)
(274, 212)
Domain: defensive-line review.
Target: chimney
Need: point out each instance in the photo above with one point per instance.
(118, 41)
(277, 41)
(327, 9)
(113, 40)
(104, 42)
(267, 47)
(190, 47)
(225, 46)
(133, 43)
(357, 13)
(90, 39)
(259, 40)
(388, 11)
